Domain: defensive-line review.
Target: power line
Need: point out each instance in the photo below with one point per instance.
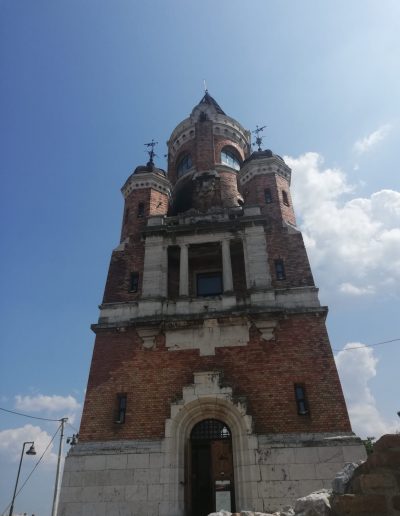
(34, 467)
(72, 426)
(27, 415)
(367, 345)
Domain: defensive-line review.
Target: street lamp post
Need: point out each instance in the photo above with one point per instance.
(31, 451)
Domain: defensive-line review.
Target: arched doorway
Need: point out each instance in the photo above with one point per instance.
(211, 482)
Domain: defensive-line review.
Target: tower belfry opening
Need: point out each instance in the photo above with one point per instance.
(212, 383)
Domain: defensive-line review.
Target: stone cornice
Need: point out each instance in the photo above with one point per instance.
(268, 303)
(261, 166)
(147, 180)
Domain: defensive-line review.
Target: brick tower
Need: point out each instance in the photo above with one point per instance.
(212, 384)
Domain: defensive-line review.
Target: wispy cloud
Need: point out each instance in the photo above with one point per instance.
(44, 403)
(353, 290)
(356, 368)
(365, 144)
(12, 439)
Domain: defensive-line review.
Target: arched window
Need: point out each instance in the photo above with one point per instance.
(184, 164)
(228, 157)
(210, 429)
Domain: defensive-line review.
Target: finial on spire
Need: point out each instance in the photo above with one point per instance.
(150, 151)
(259, 138)
(205, 86)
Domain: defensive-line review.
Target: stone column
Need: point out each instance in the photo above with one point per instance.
(256, 258)
(227, 266)
(184, 271)
(155, 268)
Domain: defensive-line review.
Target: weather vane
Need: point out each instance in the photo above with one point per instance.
(259, 138)
(205, 86)
(150, 150)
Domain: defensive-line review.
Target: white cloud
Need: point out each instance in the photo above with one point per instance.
(348, 288)
(11, 441)
(43, 403)
(354, 245)
(356, 368)
(365, 144)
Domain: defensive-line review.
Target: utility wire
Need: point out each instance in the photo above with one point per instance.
(73, 428)
(34, 467)
(367, 345)
(27, 415)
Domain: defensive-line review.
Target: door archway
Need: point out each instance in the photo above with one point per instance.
(210, 463)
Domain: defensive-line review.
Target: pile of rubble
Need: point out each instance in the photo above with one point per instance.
(371, 488)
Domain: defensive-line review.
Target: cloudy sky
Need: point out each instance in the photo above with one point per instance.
(83, 85)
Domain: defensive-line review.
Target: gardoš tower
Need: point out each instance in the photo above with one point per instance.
(212, 384)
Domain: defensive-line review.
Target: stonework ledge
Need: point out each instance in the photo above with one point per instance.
(302, 299)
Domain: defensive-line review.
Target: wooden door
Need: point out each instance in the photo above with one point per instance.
(222, 475)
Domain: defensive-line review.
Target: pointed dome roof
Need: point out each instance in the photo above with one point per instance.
(209, 102)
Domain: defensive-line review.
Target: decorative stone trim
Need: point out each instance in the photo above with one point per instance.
(146, 180)
(264, 166)
(148, 335)
(207, 335)
(207, 398)
(122, 245)
(266, 327)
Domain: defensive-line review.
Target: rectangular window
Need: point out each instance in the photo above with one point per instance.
(280, 270)
(126, 215)
(140, 210)
(209, 284)
(285, 198)
(121, 410)
(134, 283)
(301, 399)
(268, 195)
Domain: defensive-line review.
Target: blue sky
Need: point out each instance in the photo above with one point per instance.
(84, 84)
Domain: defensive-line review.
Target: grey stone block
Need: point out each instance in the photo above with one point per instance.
(138, 460)
(274, 472)
(136, 493)
(354, 453)
(306, 455)
(117, 461)
(95, 462)
(302, 472)
(330, 454)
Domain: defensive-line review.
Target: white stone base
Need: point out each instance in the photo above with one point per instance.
(133, 479)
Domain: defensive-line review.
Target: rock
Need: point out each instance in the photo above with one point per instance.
(342, 478)
(221, 513)
(286, 511)
(315, 504)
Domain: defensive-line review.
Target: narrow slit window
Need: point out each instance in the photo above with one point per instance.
(140, 210)
(301, 399)
(121, 410)
(285, 198)
(134, 282)
(280, 270)
(268, 195)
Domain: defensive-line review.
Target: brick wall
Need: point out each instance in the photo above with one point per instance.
(264, 372)
(253, 193)
(289, 247)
